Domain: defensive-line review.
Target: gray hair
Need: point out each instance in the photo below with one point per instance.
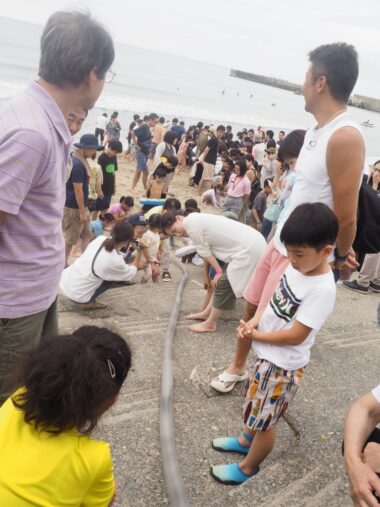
(72, 44)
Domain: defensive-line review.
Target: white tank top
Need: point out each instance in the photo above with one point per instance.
(312, 178)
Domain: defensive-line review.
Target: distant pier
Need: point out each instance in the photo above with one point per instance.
(359, 101)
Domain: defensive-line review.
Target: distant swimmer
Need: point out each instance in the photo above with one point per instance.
(251, 96)
(223, 92)
(238, 93)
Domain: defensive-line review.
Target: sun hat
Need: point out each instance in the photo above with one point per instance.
(89, 141)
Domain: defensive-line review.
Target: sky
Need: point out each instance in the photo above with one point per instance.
(270, 38)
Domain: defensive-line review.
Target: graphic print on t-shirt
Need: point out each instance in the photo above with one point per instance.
(284, 303)
(110, 168)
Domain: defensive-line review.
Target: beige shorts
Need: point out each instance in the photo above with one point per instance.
(208, 171)
(73, 228)
(224, 296)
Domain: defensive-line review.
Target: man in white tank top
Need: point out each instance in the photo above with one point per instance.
(329, 170)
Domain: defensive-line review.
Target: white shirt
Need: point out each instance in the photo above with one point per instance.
(267, 171)
(234, 243)
(77, 281)
(258, 152)
(312, 179)
(376, 393)
(101, 122)
(307, 299)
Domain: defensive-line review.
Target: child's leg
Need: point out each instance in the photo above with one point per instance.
(261, 447)
(135, 180)
(147, 274)
(145, 178)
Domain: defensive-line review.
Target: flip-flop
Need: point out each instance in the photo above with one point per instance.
(219, 382)
(230, 474)
(231, 444)
(94, 306)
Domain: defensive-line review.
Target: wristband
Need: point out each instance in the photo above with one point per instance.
(340, 258)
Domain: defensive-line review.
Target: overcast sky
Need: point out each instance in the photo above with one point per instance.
(270, 38)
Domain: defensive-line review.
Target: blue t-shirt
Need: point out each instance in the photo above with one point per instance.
(97, 227)
(78, 175)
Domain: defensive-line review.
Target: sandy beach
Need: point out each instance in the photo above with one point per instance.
(179, 186)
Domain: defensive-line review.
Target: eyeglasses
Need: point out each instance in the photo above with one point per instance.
(110, 74)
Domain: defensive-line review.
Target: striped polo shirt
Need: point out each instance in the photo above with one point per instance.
(34, 148)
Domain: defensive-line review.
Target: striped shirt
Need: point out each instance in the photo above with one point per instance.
(34, 148)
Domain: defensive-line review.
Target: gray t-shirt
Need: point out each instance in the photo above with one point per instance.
(260, 204)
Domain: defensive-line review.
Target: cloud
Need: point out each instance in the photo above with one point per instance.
(270, 38)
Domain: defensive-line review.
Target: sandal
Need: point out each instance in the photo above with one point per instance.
(94, 305)
(230, 474)
(231, 444)
(219, 382)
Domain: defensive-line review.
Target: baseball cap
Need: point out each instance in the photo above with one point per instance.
(137, 219)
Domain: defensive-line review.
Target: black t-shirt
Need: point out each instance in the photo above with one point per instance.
(78, 175)
(144, 137)
(212, 155)
(109, 168)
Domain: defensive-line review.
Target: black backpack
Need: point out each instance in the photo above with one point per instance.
(367, 239)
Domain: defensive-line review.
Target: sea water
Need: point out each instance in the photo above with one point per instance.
(149, 81)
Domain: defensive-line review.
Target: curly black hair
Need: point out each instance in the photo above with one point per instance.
(68, 381)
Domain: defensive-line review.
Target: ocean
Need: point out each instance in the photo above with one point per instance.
(149, 81)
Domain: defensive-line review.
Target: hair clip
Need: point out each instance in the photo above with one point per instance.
(111, 368)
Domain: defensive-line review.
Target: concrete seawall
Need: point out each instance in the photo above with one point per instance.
(360, 101)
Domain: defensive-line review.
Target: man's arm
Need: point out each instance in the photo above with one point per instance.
(345, 162)
(361, 419)
(3, 216)
(79, 197)
(256, 216)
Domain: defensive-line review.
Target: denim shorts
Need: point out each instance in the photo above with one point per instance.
(141, 161)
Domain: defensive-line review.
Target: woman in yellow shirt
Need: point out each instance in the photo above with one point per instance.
(48, 458)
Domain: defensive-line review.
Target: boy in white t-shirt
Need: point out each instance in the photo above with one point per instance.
(282, 337)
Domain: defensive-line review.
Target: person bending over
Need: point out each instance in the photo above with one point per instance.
(217, 238)
(100, 268)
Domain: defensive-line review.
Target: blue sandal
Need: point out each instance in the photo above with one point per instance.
(231, 444)
(230, 475)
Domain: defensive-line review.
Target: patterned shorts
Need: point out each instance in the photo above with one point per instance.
(270, 389)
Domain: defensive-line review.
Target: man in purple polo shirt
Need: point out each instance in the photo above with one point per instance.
(34, 148)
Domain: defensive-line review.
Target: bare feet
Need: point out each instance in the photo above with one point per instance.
(203, 327)
(197, 316)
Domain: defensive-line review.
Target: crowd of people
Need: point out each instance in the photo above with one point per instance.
(281, 234)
